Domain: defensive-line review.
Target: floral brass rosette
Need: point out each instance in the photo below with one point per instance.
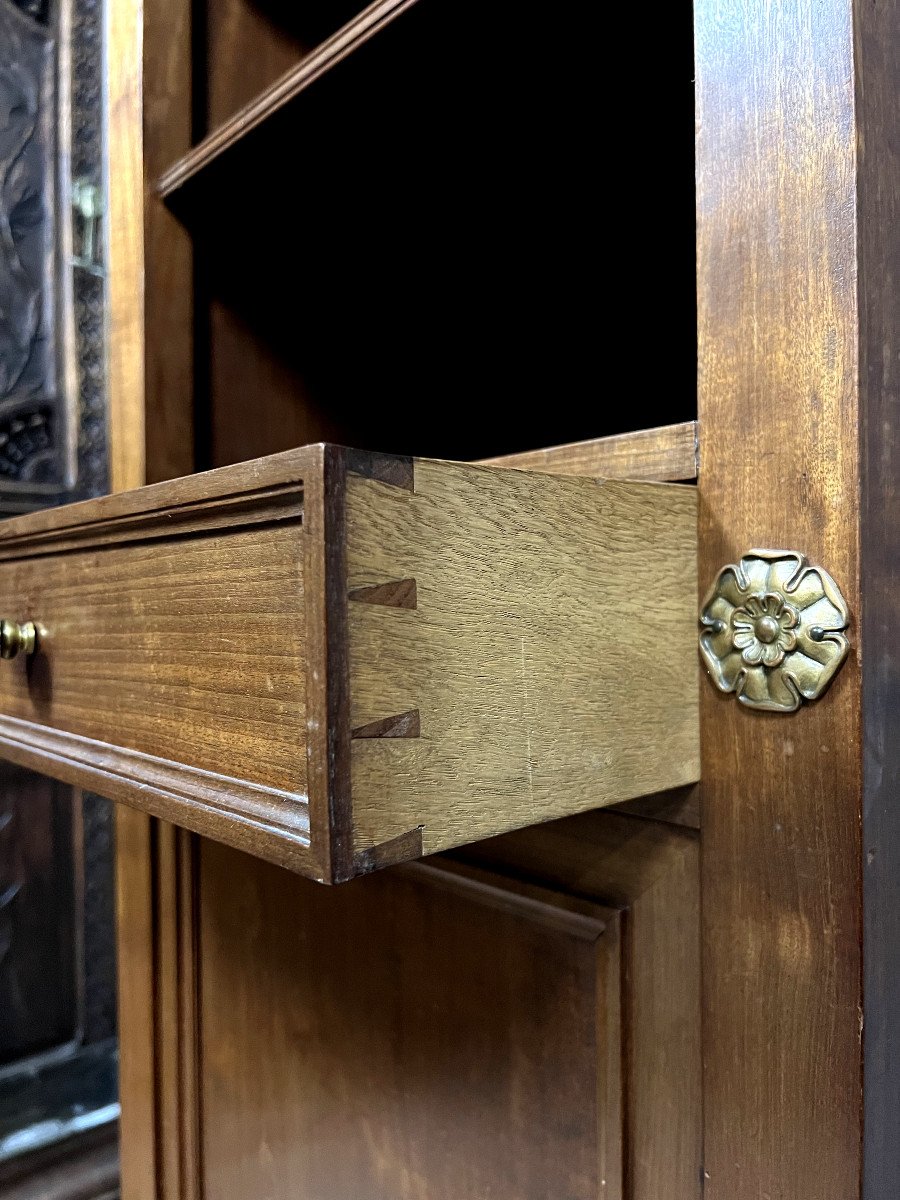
(773, 630)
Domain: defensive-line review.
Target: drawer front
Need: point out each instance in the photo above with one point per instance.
(339, 661)
(171, 665)
(184, 649)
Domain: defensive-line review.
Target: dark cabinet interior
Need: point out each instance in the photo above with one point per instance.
(415, 252)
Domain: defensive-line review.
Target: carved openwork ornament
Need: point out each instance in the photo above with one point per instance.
(772, 630)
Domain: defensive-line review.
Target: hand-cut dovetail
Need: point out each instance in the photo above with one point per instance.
(393, 469)
(404, 725)
(399, 593)
(405, 848)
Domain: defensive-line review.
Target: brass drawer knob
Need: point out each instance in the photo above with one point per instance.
(16, 638)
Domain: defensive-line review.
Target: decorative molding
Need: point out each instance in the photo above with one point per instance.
(53, 444)
(63, 530)
(28, 368)
(212, 805)
(577, 917)
(772, 630)
(52, 347)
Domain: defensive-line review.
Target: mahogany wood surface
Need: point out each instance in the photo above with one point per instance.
(457, 1034)
(667, 453)
(249, 390)
(798, 183)
(339, 660)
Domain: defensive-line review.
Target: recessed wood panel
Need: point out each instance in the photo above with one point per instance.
(397, 1040)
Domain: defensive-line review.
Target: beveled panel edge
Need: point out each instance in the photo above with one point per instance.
(263, 821)
(574, 916)
(667, 454)
(263, 490)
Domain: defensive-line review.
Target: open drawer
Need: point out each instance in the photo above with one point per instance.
(339, 660)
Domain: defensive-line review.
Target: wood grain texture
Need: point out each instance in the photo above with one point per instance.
(604, 855)
(125, 246)
(650, 872)
(135, 928)
(295, 80)
(612, 1072)
(175, 1014)
(127, 464)
(663, 1092)
(667, 454)
(166, 275)
(203, 652)
(444, 1037)
(374, 1015)
(179, 652)
(529, 657)
(779, 405)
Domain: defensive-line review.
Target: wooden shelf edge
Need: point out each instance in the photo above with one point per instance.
(326, 56)
(667, 454)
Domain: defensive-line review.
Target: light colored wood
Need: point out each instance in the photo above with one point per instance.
(551, 656)
(342, 660)
(125, 245)
(668, 454)
(126, 364)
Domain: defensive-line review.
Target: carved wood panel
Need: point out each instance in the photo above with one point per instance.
(57, 998)
(52, 427)
(38, 991)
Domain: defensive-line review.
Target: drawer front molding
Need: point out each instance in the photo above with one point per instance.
(340, 660)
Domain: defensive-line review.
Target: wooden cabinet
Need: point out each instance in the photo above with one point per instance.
(339, 660)
(327, 211)
(348, 659)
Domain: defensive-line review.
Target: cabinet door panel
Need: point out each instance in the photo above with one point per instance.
(411, 1036)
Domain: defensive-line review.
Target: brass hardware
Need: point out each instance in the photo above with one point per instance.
(772, 630)
(17, 638)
